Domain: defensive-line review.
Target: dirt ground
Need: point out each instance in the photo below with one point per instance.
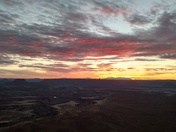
(121, 111)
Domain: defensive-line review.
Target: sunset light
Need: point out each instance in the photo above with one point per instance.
(131, 39)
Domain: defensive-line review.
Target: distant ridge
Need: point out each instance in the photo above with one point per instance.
(2, 81)
(118, 78)
(18, 82)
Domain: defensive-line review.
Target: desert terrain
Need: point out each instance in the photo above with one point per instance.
(87, 105)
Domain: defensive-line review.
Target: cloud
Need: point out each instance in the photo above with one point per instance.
(167, 26)
(137, 19)
(5, 60)
(12, 2)
(20, 73)
(105, 65)
(110, 11)
(6, 18)
(168, 55)
(153, 73)
(145, 59)
(72, 69)
(159, 69)
(77, 31)
(110, 7)
(131, 68)
(34, 41)
(12, 42)
(163, 36)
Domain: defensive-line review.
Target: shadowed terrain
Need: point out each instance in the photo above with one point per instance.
(77, 105)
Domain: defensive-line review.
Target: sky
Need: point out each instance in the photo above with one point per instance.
(88, 39)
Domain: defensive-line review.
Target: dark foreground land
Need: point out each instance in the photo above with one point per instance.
(76, 105)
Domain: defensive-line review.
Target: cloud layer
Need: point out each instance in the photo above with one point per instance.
(69, 33)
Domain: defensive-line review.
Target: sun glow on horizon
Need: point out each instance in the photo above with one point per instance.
(88, 39)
